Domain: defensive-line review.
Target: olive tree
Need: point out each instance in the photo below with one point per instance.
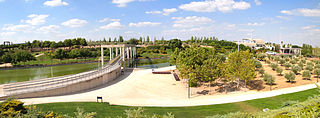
(269, 79)
(300, 64)
(290, 76)
(279, 70)
(296, 69)
(309, 67)
(293, 61)
(306, 74)
(317, 72)
(282, 61)
(287, 65)
(273, 66)
(317, 66)
(261, 71)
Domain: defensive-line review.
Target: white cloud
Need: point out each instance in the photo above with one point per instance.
(190, 21)
(75, 23)
(163, 12)
(308, 27)
(258, 2)
(144, 24)
(1, 0)
(36, 19)
(283, 17)
(303, 12)
(113, 25)
(213, 5)
(123, 3)
(48, 29)
(4, 34)
(256, 24)
(108, 19)
(55, 3)
(15, 28)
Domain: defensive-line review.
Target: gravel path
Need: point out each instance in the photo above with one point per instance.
(142, 88)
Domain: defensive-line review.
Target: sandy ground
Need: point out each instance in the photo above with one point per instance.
(140, 87)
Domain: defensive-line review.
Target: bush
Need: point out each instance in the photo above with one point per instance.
(261, 71)
(303, 61)
(296, 69)
(139, 113)
(310, 63)
(279, 70)
(309, 67)
(293, 61)
(258, 64)
(274, 66)
(269, 79)
(300, 64)
(288, 103)
(287, 65)
(12, 108)
(317, 66)
(282, 61)
(306, 74)
(290, 76)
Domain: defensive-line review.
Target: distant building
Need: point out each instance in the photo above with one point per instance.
(253, 43)
(7, 43)
(287, 49)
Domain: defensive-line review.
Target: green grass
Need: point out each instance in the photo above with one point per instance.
(106, 110)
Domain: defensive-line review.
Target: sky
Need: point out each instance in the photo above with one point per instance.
(291, 21)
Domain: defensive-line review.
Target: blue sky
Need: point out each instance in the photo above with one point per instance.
(293, 21)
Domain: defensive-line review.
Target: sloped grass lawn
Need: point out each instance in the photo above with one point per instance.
(105, 110)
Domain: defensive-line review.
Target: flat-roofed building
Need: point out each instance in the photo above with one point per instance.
(253, 43)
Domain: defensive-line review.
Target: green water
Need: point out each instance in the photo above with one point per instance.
(19, 75)
(153, 63)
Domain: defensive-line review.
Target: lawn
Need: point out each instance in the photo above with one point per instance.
(106, 110)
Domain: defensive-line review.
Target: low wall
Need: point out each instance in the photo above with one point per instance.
(73, 88)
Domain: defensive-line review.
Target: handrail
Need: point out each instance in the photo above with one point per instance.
(62, 81)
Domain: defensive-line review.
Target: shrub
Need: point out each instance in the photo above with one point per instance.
(317, 66)
(287, 59)
(274, 66)
(258, 64)
(300, 64)
(289, 103)
(293, 61)
(269, 79)
(306, 74)
(287, 65)
(296, 69)
(309, 67)
(12, 108)
(282, 61)
(279, 70)
(261, 71)
(303, 61)
(139, 113)
(261, 57)
(290, 76)
(310, 63)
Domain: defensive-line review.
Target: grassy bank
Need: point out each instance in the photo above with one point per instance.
(106, 110)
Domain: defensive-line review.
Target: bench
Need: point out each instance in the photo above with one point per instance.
(161, 72)
(176, 77)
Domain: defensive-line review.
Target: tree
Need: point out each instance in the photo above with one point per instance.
(317, 72)
(282, 61)
(306, 74)
(83, 42)
(121, 39)
(23, 56)
(104, 39)
(309, 67)
(60, 54)
(274, 66)
(306, 50)
(269, 79)
(261, 71)
(290, 76)
(175, 43)
(240, 65)
(296, 69)
(148, 39)
(310, 63)
(133, 41)
(257, 64)
(293, 61)
(287, 65)
(279, 70)
(303, 60)
(317, 66)
(8, 58)
(300, 64)
(109, 39)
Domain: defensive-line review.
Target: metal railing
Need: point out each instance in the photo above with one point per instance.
(59, 82)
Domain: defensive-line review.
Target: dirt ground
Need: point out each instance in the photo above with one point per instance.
(258, 84)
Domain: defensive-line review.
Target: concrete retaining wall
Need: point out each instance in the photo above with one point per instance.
(73, 88)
